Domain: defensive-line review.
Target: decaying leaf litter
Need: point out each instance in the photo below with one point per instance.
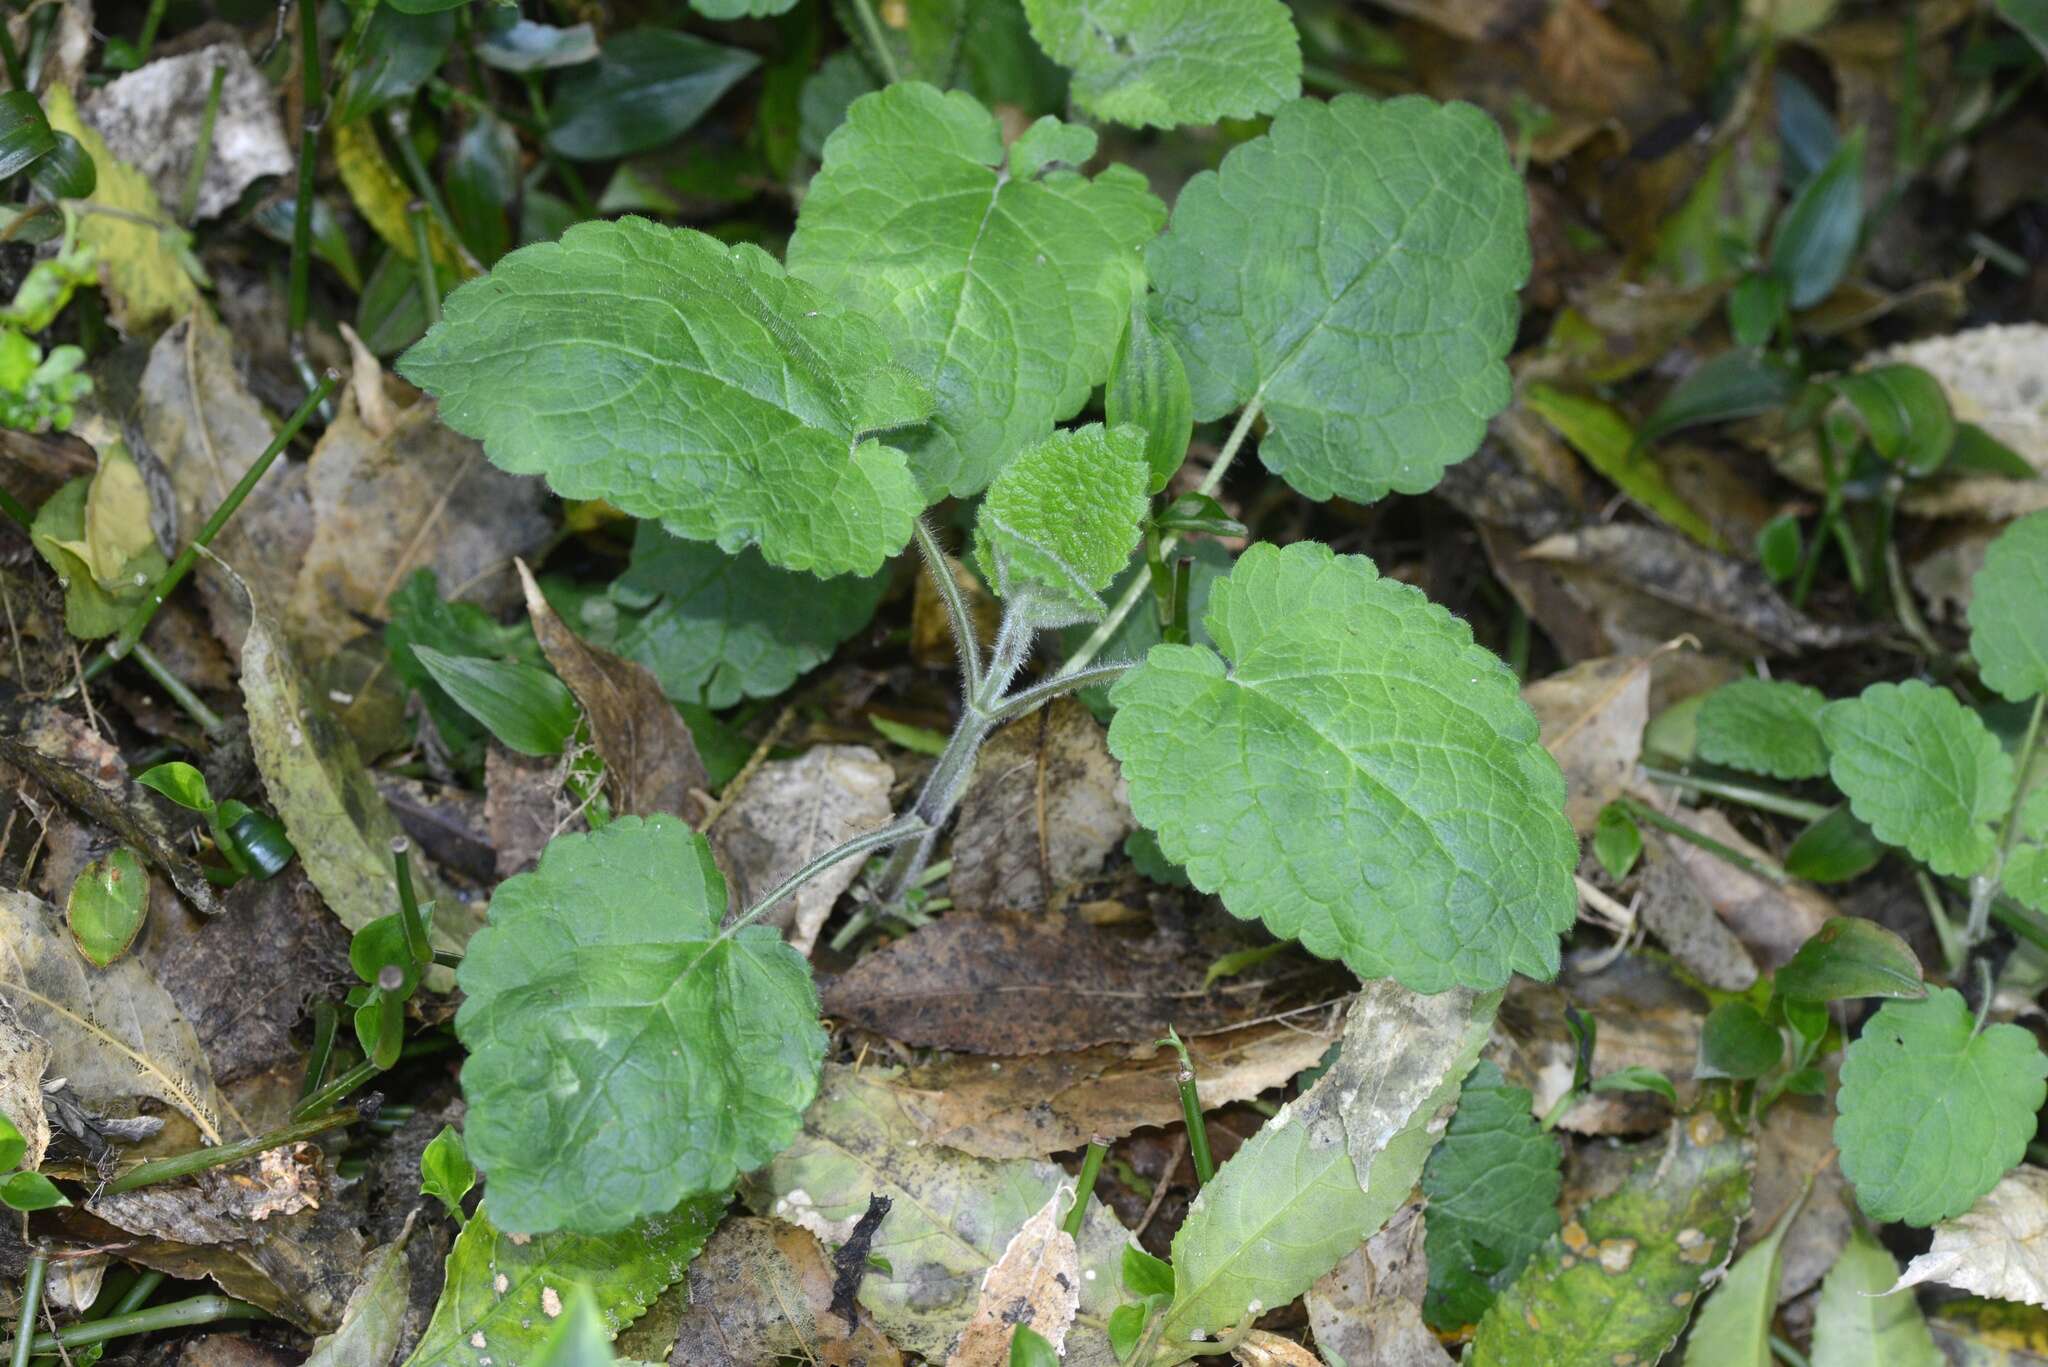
(534, 721)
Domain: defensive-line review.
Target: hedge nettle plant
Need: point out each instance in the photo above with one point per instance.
(1327, 750)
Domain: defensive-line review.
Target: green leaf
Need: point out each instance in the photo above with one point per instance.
(523, 705)
(1148, 388)
(108, 900)
(1932, 1113)
(1834, 849)
(504, 1292)
(62, 533)
(1158, 63)
(420, 616)
(2029, 17)
(445, 1171)
(1004, 286)
(687, 381)
(1816, 238)
(2009, 611)
(1145, 1275)
(1905, 413)
(1600, 432)
(715, 628)
(1624, 1285)
(1735, 384)
(1779, 546)
(951, 1215)
(1060, 521)
(375, 1317)
(579, 1338)
(741, 9)
(66, 171)
(1764, 727)
(179, 782)
(1637, 1077)
(24, 132)
(647, 87)
(1330, 1168)
(1140, 630)
(1353, 272)
(1617, 840)
(13, 1145)
(1028, 1348)
(1856, 1324)
(1755, 307)
(1851, 957)
(400, 49)
(1734, 1326)
(1492, 1185)
(624, 1053)
(1737, 1042)
(28, 1191)
(1922, 771)
(1356, 773)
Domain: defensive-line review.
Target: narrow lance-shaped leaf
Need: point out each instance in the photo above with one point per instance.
(1148, 388)
(1167, 62)
(687, 381)
(1354, 273)
(626, 1054)
(1348, 767)
(1002, 282)
(1734, 1326)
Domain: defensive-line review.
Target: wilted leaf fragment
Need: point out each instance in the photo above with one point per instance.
(1061, 519)
(1355, 772)
(1998, 1247)
(2009, 610)
(1856, 1323)
(1353, 272)
(1764, 727)
(1159, 63)
(504, 1293)
(1035, 1285)
(1492, 1185)
(1922, 771)
(683, 380)
(1932, 1114)
(1618, 1283)
(375, 1317)
(625, 1054)
(1003, 283)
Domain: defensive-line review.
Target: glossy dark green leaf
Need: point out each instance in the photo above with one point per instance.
(1806, 131)
(25, 134)
(389, 314)
(1148, 388)
(483, 181)
(1617, 841)
(524, 706)
(2029, 17)
(66, 171)
(1816, 237)
(261, 839)
(1834, 849)
(1735, 384)
(1737, 1042)
(1904, 412)
(28, 1191)
(646, 87)
(1755, 306)
(522, 45)
(1977, 452)
(401, 48)
(179, 782)
(1851, 957)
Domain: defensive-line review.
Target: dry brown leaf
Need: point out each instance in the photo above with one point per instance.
(24, 1056)
(761, 1291)
(1036, 1282)
(1797, 1144)
(792, 811)
(1018, 985)
(1998, 1247)
(1051, 1103)
(1368, 1309)
(650, 758)
(1592, 717)
(1044, 808)
(523, 806)
(1261, 1349)
(1771, 920)
(1675, 910)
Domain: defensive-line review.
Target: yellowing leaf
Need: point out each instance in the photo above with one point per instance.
(382, 197)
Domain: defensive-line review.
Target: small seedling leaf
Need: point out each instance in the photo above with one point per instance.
(1006, 282)
(1159, 63)
(1148, 389)
(1737, 1042)
(1617, 840)
(1855, 1323)
(1145, 1275)
(179, 782)
(683, 380)
(1932, 1113)
(2009, 611)
(446, 1173)
(672, 1057)
(108, 900)
(1904, 412)
(29, 1191)
(14, 1146)
(1764, 727)
(1834, 849)
(1331, 683)
(1492, 1185)
(1816, 238)
(524, 706)
(1379, 241)
(1028, 1348)
(1851, 957)
(1922, 770)
(1637, 1077)
(1060, 521)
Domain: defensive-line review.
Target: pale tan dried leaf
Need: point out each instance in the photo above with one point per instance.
(1368, 1309)
(24, 1057)
(1045, 806)
(1998, 1247)
(75, 1282)
(1036, 1281)
(113, 1033)
(1677, 912)
(1771, 920)
(791, 811)
(1261, 1349)
(151, 119)
(1592, 717)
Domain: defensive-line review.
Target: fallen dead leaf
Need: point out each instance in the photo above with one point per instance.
(1675, 909)
(1045, 807)
(1261, 1349)
(761, 1291)
(24, 1057)
(151, 119)
(1771, 920)
(1036, 1282)
(1368, 1309)
(524, 806)
(1592, 717)
(788, 813)
(1998, 1247)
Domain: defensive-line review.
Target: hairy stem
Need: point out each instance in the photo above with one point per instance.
(1140, 583)
(896, 832)
(1028, 700)
(965, 643)
(199, 1160)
